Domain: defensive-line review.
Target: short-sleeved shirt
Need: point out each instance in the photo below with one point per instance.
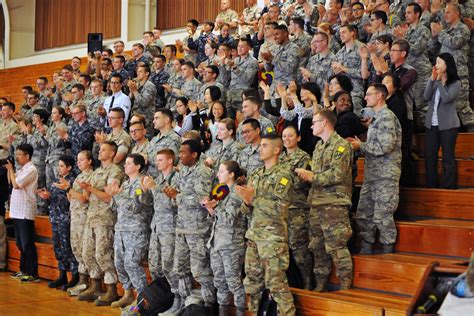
(23, 200)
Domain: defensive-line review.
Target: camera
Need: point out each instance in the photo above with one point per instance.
(5, 161)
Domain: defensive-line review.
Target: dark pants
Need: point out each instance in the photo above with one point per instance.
(25, 242)
(447, 140)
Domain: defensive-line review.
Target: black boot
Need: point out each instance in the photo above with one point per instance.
(60, 281)
(72, 283)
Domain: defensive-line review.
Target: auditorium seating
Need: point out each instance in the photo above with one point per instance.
(434, 225)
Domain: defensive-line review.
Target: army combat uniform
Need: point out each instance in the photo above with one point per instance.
(380, 191)
(228, 250)
(171, 140)
(192, 232)
(267, 255)
(330, 198)
(134, 211)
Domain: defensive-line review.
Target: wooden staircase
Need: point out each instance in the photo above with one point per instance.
(434, 225)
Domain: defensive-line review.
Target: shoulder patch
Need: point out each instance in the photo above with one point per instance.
(341, 149)
(284, 181)
(138, 191)
(269, 129)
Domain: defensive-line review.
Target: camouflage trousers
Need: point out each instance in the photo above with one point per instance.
(161, 256)
(298, 239)
(227, 267)
(191, 252)
(377, 203)
(130, 249)
(234, 101)
(266, 263)
(98, 253)
(466, 115)
(77, 240)
(40, 203)
(330, 231)
(3, 243)
(62, 247)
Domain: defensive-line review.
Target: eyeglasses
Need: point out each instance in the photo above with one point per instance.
(396, 50)
(113, 118)
(245, 132)
(76, 112)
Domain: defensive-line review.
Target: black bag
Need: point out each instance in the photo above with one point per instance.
(268, 306)
(156, 298)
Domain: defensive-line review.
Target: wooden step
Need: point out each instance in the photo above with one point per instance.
(465, 172)
(450, 204)
(45, 253)
(436, 236)
(392, 273)
(42, 226)
(464, 145)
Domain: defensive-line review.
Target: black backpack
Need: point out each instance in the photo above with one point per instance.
(156, 298)
(268, 306)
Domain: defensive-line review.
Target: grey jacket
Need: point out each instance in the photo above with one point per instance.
(447, 116)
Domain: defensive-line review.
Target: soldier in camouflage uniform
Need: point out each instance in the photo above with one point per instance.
(140, 142)
(94, 104)
(242, 73)
(348, 61)
(192, 224)
(138, 57)
(292, 158)
(163, 224)
(296, 9)
(142, 95)
(251, 110)
(227, 15)
(380, 191)
(249, 158)
(159, 77)
(97, 249)
(134, 212)
(167, 138)
(175, 81)
(200, 43)
(330, 198)
(81, 133)
(78, 208)
(319, 65)
(56, 145)
(227, 242)
(45, 94)
(249, 18)
(303, 41)
(266, 201)
(63, 88)
(454, 39)
(190, 87)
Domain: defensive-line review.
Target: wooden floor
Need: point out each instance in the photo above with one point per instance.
(18, 299)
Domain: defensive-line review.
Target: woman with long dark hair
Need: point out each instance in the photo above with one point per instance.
(442, 122)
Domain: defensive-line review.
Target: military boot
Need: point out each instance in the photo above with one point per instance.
(306, 277)
(92, 292)
(109, 296)
(240, 311)
(387, 248)
(126, 299)
(72, 283)
(365, 248)
(82, 285)
(223, 310)
(60, 281)
(346, 284)
(321, 285)
(176, 308)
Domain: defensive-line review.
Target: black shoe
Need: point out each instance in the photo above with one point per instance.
(60, 281)
(72, 283)
(3, 270)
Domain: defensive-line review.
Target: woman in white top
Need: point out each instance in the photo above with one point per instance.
(442, 122)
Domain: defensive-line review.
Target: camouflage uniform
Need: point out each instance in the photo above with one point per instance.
(266, 127)
(299, 13)
(45, 102)
(78, 221)
(141, 149)
(249, 14)
(220, 153)
(176, 81)
(284, 63)
(249, 159)
(97, 249)
(330, 199)
(163, 232)
(380, 192)
(192, 231)
(241, 77)
(228, 16)
(56, 148)
(123, 141)
(122, 73)
(199, 44)
(7, 129)
(303, 42)
(81, 137)
(66, 88)
(267, 255)
(171, 140)
(134, 211)
(144, 104)
(189, 89)
(159, 78)
(426, 18)
(455, 40)
(60, 218)
(228, 250)
(320, 68)
(190, 56)
(92, 106)
(360, 23)
(418, 37)
(349, 58)
(298, 238)
(131, 65)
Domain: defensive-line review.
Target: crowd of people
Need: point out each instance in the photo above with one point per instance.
(235, 148)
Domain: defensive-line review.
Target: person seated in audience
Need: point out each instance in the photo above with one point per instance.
(442, 124)
(188, 116)
(249, 158)
(60, 218)
(175, 82)
(45, 93)
(134, 212)
(227, 242)
(118, 64)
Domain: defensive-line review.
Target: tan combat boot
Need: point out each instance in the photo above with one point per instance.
(92, 292)
(81, 286)
(109, 296)
(126, 299)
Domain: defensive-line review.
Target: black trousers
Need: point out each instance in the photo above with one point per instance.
(447, 140)
(25, 241)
